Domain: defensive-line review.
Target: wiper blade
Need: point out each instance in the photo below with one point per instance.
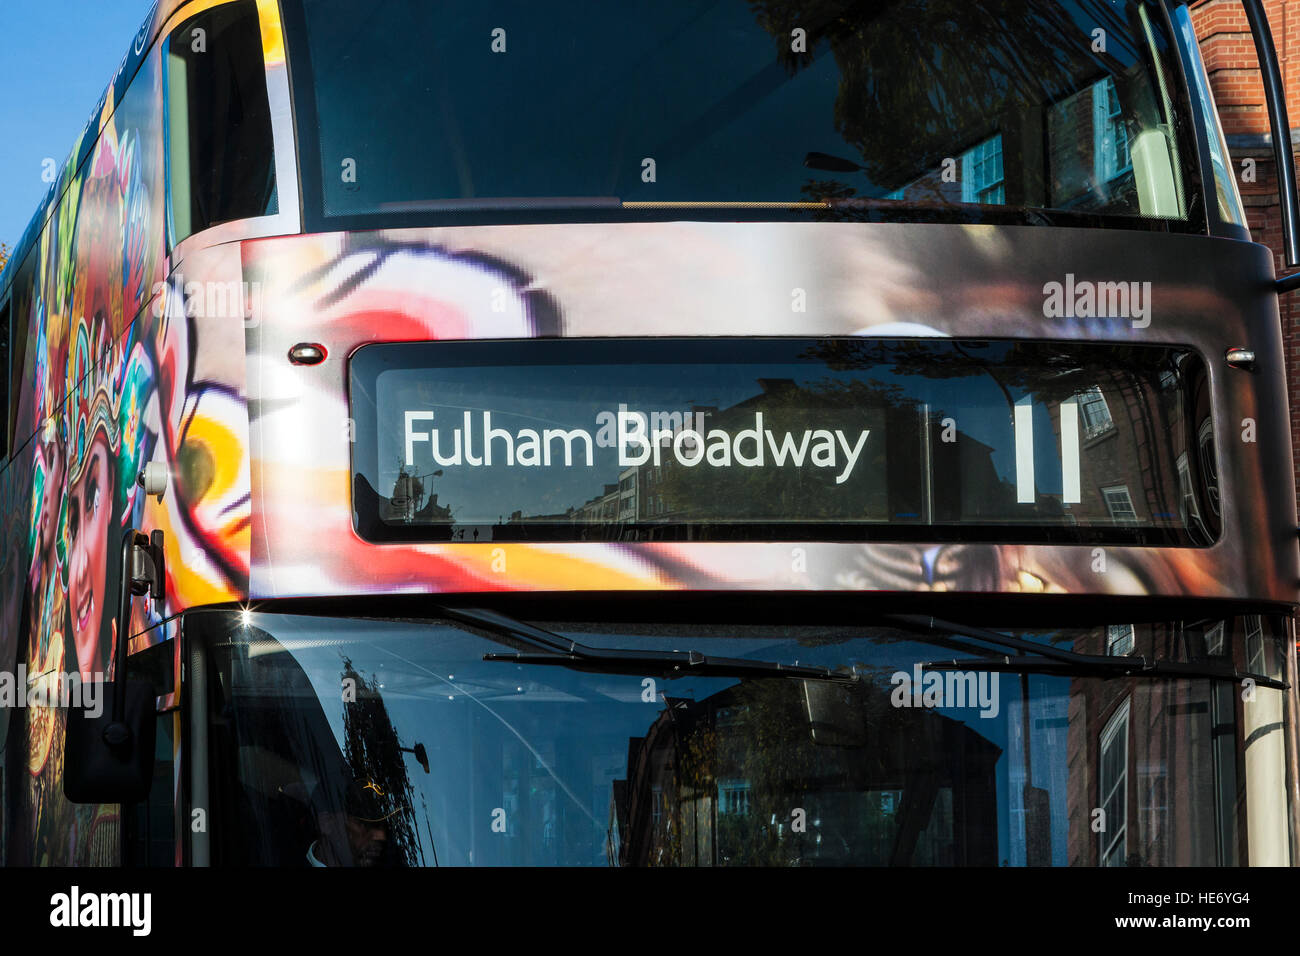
(1117, 667)
(1052, 660)
(672, 664)
(561, 651)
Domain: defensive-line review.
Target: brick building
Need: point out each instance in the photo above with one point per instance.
(1229, 54)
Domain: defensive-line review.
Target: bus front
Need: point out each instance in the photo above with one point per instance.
(754, 433)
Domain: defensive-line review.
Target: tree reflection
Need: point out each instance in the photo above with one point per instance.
(373, 751)
(784, 773)
(920, 82)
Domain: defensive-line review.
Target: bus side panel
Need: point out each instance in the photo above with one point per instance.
(87, 384)
(197, 405)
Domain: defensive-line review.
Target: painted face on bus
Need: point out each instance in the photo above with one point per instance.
(51, 497)
(88, 509)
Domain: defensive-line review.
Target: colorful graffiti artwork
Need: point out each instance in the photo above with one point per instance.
(90, 377)
(107, 386)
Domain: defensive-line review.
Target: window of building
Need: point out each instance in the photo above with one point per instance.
(1120, 504)
(1255, 644)
(1188, 509)
(733, 796)
(1209, 466)
(1110, 135)
(1214, 640)
(1152, 802)
(1119, 639)
(1112, 785)
(1094, 413)
(221, 159)
(981, 173)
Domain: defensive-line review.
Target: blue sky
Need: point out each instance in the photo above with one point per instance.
(56, 58)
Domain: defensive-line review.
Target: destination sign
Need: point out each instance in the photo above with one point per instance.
(779, 439)
(640, 440)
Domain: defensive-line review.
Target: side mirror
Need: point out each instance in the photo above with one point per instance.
(420, 753)
(108, 758)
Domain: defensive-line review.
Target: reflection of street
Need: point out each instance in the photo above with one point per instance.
(306, 796)
(374, 754)
(409, 503)
(1172, 791)
(841, 778)
(439, 755)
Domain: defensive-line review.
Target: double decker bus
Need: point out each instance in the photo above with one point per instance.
(728, 433)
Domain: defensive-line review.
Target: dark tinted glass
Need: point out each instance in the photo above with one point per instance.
(151, 824)
(21, 303)
(440, 757)
(6, 334)
(437, 106)
(768, 439)
(222, 165)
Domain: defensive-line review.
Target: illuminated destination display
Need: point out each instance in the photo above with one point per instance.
(781, 439)
(689, 441)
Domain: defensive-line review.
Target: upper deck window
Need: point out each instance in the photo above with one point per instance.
(451, 108)
(221, 163)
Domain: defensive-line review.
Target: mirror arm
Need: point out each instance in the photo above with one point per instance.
(142, 573)
(126, 590)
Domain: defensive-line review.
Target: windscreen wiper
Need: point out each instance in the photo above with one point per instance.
(557, 650)
(1052, 660)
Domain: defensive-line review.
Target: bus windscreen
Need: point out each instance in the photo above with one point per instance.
(451, 107)
(782, 439)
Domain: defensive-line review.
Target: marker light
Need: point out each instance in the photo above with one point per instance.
(307, 353)
(1239, 358)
